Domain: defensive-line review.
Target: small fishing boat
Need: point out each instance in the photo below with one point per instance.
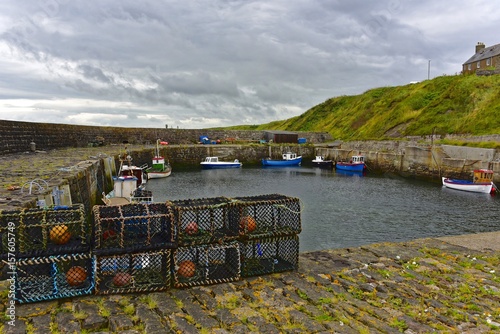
(215, 163)
(320, 161)
(160, 168)
(482, 182)
(357, 163)
(288, 159)
(129, 184)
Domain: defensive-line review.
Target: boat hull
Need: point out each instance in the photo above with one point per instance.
(220, 165)
(158, 175)
(484, 187)
(359, 167)
(282, 163)
(323, 164)
(350, 173)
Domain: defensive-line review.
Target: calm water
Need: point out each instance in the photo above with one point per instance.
(341, 211)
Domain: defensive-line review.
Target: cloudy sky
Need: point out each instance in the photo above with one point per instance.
(202, 63)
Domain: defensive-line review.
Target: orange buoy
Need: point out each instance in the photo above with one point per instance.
(59, 234)
(248, 224)
(122, 279)
(186, 269)
(191, 228)
(76, 276)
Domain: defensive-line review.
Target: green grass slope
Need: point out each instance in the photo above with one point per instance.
(444, 105)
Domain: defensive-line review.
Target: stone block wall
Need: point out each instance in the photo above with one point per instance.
(25, 136)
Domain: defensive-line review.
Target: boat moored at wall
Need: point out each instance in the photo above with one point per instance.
(160, 168)
(482, 182)
(215, 163)
(319, 161)
(288, 159)
(357, 164)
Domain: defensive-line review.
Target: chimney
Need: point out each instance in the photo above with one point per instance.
(479, 46)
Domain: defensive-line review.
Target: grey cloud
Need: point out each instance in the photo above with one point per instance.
(130, 63)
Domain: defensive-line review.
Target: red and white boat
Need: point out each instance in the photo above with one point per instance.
(356, 164)
(482, 182)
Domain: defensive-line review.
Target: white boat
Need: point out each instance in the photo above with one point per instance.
(160, 168)
(129, 184)
(214, 163)
(482, 182)
(320, 161)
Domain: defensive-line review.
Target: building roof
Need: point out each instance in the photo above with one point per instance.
(280, 132)
(487, 52)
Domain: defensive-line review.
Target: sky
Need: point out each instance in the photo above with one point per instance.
(208, 63)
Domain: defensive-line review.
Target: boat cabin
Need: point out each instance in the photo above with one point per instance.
(212, 159)
(357, 159)
(158, 161)
(289, 156)
(137, 173)
(483, 175)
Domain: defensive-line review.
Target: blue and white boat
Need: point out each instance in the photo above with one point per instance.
(356, 164)
(288, 159)
(214, 163)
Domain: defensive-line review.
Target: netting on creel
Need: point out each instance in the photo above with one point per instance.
(133, 227)
(136, 272)
(206, 264)
(263, 216)
(58, 276)
(269, 255)
(47, 231)
(204, 221)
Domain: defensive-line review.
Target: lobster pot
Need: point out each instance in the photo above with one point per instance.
(133, 227)
(266, 216)
(49, 231)
(269, 255)
(134, 272)
(53, 277)
(204, 221)
(206, 264)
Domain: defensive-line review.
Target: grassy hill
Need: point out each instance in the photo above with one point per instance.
(444, 105)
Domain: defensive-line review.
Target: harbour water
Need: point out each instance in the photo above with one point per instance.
(345, 210)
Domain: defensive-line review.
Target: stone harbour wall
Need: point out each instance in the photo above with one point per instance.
(26, 136)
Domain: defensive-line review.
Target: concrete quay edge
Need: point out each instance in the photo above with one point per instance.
(431, 285)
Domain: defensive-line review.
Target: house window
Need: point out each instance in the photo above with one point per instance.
(488, 62)
(478, 64)
(469, 67)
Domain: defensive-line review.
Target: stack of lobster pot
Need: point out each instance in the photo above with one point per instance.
(144, 247)
(48, 252)
(208, 251)
(133, 245)
(269, 227)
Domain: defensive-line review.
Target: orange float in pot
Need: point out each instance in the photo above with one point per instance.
(59, 234)
(191, 228)
(76, 276)
(186, 269)
(122, 279)
(247, 224)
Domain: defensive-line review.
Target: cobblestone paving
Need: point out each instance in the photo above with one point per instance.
(422, 286)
